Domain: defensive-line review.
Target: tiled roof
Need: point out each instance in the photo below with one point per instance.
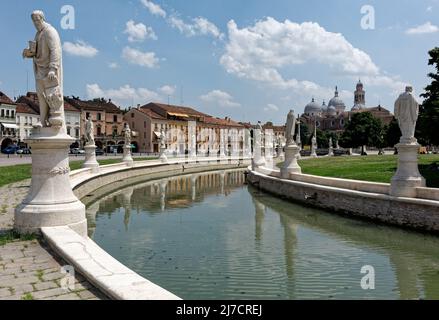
(222, 122)
(93, 105)
(5, 99)
(176, 109)
(24, 108)
(31, 99)
(151, 113)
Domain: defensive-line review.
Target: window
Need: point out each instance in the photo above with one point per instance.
(99, 117)
(99, 132)
(12, 114)
(7, 113)
(68, 130)
(76, 132)
(132, 114)
(115, 118)
(144, 124)
(144, 134)
(3, 113)
(87, 115)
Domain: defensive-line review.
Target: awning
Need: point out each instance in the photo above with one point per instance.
(178, 115)
(9, 125)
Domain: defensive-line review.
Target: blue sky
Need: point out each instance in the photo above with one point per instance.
(251, 60)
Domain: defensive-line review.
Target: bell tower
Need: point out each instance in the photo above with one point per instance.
(360, 94)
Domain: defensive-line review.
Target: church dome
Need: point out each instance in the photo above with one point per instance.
(337, 103)
(332, 111)
(313, 108)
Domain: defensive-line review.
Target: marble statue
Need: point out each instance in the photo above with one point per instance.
(46, 53)
(298, 138)
(290, 127)
(406, 112)
(162, 139)
(127, 135)
(89, 133)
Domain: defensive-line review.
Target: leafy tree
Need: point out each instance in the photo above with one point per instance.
(322, 139)
(427, 128)
(392, 133)
(362, 130)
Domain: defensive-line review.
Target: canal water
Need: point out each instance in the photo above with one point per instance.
(211, 236)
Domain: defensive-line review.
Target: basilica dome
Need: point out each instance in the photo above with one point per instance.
(337, 103)
(313, 109)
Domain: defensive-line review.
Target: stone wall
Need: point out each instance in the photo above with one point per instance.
(419, 214)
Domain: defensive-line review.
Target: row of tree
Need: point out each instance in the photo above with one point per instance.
(364, 129)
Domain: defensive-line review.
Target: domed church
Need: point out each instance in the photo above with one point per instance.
(333, 117)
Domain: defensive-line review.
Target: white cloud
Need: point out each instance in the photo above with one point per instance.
(260, 52)
(167, 90)
(154, 9)
(199, 26)
(144, 59)
(113, 65)
(80, 49)
(219, 98)
(271, 107)
(139, 32)
(422, 29)
(124, 96)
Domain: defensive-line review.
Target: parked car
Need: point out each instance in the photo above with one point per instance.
(10, 150)
(24, 151)
(99, 152)
(76, 151)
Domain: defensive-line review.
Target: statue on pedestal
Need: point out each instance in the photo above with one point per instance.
(290, 128)
(50, 201)
(46, 53)
(127, 135)
(89, 133)
(406, 112)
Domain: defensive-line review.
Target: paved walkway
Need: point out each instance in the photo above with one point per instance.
(30, 269)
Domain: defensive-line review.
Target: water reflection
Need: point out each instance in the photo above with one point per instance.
(209, 236)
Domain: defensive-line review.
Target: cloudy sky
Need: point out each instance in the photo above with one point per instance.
(251, 60)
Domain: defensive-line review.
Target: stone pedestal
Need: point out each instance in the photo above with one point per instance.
(331, 152)
(407, 177)
(127, 158)
(50, 201)
(290, 165)
(163, 158)
(90, 158)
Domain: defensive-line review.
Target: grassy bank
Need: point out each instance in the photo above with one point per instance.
(11, 174)
(369, 168)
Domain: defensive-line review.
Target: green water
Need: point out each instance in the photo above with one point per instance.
(210, 236)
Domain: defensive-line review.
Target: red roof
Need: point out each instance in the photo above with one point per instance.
(5, 99)
(93, 105)
(31, 99)
(167, 108)
(151, 113)
(222, 122)
(24, 108)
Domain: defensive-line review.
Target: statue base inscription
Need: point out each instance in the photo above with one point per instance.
(50, 201)
(90, 158)
(407, 177)
(290, 165)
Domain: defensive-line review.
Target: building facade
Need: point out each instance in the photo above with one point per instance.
(107, 119)
(8, 126)
(183, 127)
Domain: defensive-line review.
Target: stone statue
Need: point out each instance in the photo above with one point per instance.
(127, 135)
(330, 143)
(406, 112)
(46, 53)
(290, 127)
(162, 139)
(89, 133)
